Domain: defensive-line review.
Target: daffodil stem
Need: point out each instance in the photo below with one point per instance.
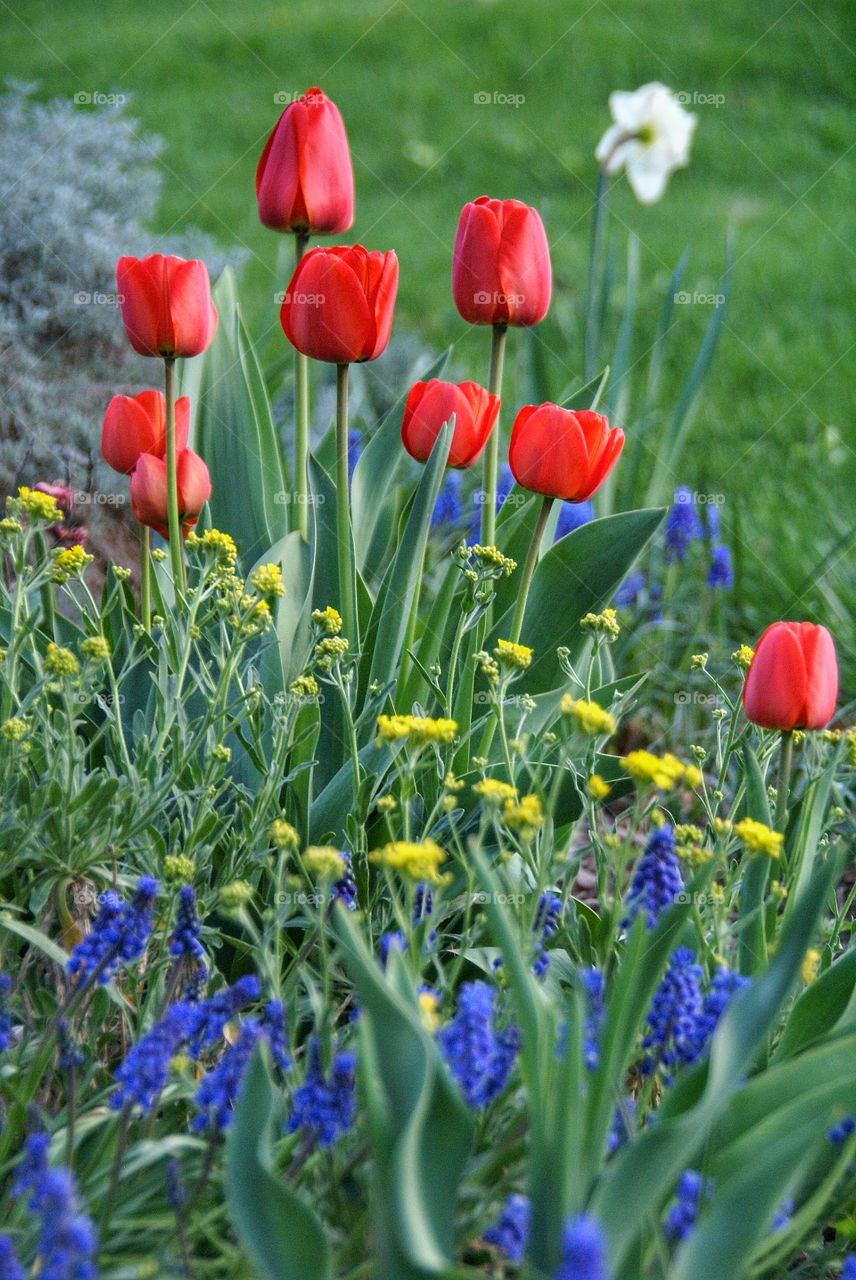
(530, 567)
(176, 546)
(783, 786)
(301, 417)
(598, 234)
(146, 587)
(344, 539)
(491, 454)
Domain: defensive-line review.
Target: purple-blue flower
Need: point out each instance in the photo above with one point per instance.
(480, 1056)
(188, 927)
(10, 1267)
(572, 516)
(656, 880)
(683, 526)
(721, 573)
(583, 1250)
(510, 1232)
(216, 1096)
(119, 934)
(448, 507)
(143, 1075)
(683, 1215)
(324, 1107)
(673, 1019)
(345, 888)
(594, 986)
(67, 1241)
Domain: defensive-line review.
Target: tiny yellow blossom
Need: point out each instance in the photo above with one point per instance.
(222, 754)
(664, 772)
(61, 662)
(418, 861)
(304, 687)
(598, 787)
(453, 783)
(96, 648)
(605, 623)
(323, 862)
(698, 661)
(419, 731)
(429, 1004)
(723, 826)
(14, 729)
(283, 835)
(69, 562)
(328, 652)
(517, 657)
(831, 735)
(590, 716)
(235, 895)
(743, 656)
(850, 742)
(178, 868)
(524, 815)
(759, 838)
(492, 558)
(220, 545)
(38, 505)
(488, 666)
(10, 525)
(810, 965)
(494, 791)
(328, 620)
(124, 575)
(159, 555)
(386, 804)
(267, 580)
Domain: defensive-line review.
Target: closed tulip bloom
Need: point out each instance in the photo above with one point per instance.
(501, 271)
(561, 453)
(430, 404)
(166, 305)
(792, 682)
(305, 180)
(149, 490)
(340, 303)
(137, 424)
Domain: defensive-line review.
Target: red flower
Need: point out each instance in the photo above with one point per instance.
(137, 424)
(430, 404)
(305, 180)
(792, 682)
(149, 490)
(340, 302)
(501, 271)
(166, 305)
(563, 454)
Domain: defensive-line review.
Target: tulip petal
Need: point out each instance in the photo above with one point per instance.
(821, 676)
(774, 695)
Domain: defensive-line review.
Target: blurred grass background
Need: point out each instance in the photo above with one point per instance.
(773, 158)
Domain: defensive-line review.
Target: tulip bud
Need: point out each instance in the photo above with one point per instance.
(501, 271)
(149, 490)
(792, 681)
(340, 303)
(305, 180)
(137, 424)
(430, 404)
(166, 305)
(563, 454)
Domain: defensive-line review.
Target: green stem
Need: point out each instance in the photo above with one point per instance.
(786, 760)
(529, 568)
(410, 634)
(146, 588)
(592, 334)
(176, 545)
(344, 538)
(301, 422)
(491, 454)
(47, 590)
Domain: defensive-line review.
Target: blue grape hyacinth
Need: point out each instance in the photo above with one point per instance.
(479, 1055)
(119, 934)
(324, 1106)
(510, 1232)
(583, 1250)
(656, 880)
(683, 526)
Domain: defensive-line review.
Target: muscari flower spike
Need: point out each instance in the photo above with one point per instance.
(119, 934)
(673, 1019)
(583, 1250)
(510, 1232)
(682, 1217)
(683, 526)
(594, 985)
(218, 1091)
(721, 573)
(448, 507)
(10, 1267)
(479, 1055)
(67, 1241)
(324, 1108)
(188, 927)
(656, 880)
(345, 889)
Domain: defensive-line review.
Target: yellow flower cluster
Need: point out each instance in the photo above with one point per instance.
(61, 662)
(524, 815)
(810, 965)
(665, 772)
(221, 546)
(96, 648)
(689, 845)
(492, 558)
(328, 620)
(329, 651)
(303, 687)
(178, 868)
(14, 729)
(516, 657)
(598, 787)
(323, 862)
(419, 861)
(69, 562)
(283, 835)
(267, 580)
(493, 791)
(10, 525)
(37, 505)
(590, 716)
(850, 743)
(429, 1004)
(759, 838)
(418, 730)
(235, 895)
(604, 624)
(743, 656)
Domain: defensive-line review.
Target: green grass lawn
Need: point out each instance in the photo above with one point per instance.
(774, 159)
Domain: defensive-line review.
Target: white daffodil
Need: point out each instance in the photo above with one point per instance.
(650, 139)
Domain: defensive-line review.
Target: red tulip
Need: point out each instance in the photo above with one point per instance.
(563, 454)
(305, 180)
(792, 682)
(166, 305)
(149, 490)
(340, 302)
(137, 424)
(430, 404)
(501, 271)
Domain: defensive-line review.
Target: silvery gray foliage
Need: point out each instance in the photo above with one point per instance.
(79, 187)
